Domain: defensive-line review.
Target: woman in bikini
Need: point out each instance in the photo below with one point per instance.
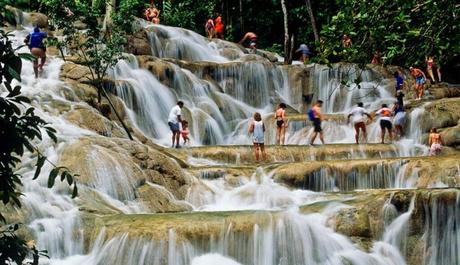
(435, 142)
(210, 29)
(430, 64)
(281, 123)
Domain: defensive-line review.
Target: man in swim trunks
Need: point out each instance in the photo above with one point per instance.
(281, 123)
(252, 37)
(37, 48)
(174, 120)
(358, 120)
(385, 121)
(420, 78)
(318, 118)
(435, 142)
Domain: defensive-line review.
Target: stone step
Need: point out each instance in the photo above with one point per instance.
(362, 216)
(347, 175)
(244, 154)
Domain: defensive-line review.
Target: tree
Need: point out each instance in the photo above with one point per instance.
(99, 48)
(287, 44)
(312, 20)
(19, 127)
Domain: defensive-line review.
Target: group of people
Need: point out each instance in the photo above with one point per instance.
(178, 126)
(152, 14)
(215, 28)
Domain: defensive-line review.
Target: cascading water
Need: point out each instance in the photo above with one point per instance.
(220, 95)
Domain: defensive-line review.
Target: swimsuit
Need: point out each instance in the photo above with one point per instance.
(280, 117)
(419, 80)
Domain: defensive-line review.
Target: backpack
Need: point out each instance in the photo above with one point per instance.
(311, 115)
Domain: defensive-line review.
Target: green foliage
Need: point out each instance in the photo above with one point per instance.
(187, 13)
(403, 31)
(19, 127)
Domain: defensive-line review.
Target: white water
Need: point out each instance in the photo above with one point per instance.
(215, 110)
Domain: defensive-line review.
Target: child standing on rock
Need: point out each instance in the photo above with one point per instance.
(257, 128)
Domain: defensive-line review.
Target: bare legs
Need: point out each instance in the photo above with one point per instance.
(360, 126)
(419, 90)
(321, 137)
(383, 135)
(430, 73)
(39, 54)
(262, 150)
(280, 134)
(175, 138)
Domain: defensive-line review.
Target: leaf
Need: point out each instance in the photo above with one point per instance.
(51, 135)
(12, 74)
(40, 162)
(26, 56)
(70, 179)
(52, 177)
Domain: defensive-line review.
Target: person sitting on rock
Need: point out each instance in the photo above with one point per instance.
(435, 142)
(252, 37)
(37, 48)
(219, 27)
(152, 14)
(210, 28)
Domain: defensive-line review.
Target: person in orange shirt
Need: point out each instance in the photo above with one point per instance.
(219, 27)
(281, 123)
(318, 118)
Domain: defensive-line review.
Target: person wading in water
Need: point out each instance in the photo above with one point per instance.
(281, 123)
(37, 48)
(358, 120)
(257, 128)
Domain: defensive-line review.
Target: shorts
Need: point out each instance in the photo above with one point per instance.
(258, 140)
(361, 125)
(385, 124)
(420, 80)
(279, 123)
(400, 118)
(435, 149)
(174, 127)
(317, 125)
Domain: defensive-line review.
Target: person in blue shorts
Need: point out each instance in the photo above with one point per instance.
(420, 78)
(174, 120)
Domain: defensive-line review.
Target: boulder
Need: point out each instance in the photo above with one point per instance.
(352, 222)
(37, 19)
(138, 44)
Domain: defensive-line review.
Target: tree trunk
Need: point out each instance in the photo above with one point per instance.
(109, 9)
(286, 32)
(291, 49)
(312, 20)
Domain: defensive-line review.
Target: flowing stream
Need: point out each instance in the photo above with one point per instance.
(221, 93)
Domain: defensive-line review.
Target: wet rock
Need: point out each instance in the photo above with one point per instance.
(160, 200)
(38, 19)
(129, 162)
(441, 113)
(352, 222)
(75, 72)
(138, 44)
(90, 119)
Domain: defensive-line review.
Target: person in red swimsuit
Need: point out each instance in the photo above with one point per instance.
(219, 27)
(430, 64)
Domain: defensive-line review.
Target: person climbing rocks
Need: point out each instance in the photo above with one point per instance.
(303, 48)
(385, 121)
(219, 27)
(174, 120)
(377, 59)
(399, 82)
(430, 64)
(358, 120)
(185, 132)
(37, 48)
(209, 28)
(252, 37)
(152, 14)
(399, 118)
(435, 142)
(346, 41)
(420, 78)
(317, 119)
(257, 129)
(281, 123)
